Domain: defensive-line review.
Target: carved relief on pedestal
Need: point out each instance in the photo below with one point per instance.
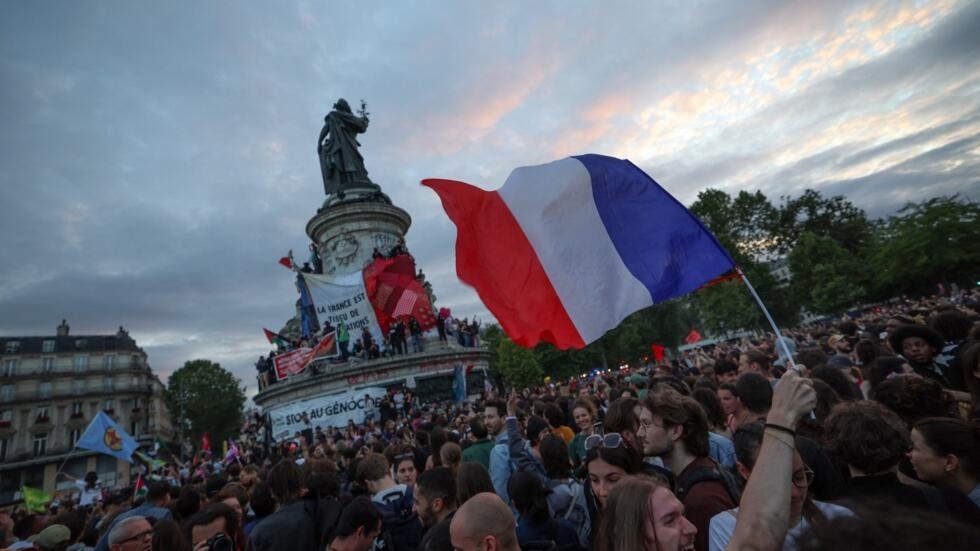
(384, 242)
(343, 249)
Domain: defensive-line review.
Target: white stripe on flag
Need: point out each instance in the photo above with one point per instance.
(553, 204)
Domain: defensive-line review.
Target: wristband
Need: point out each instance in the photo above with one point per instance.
(781, 428)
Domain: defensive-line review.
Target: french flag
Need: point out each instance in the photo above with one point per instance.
(564, 251)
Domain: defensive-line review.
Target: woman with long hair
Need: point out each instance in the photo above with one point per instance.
(644, 514)
(947, 451)
(609, 458)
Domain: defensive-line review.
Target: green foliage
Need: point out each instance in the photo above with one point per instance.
(204, 397)
(835, 218)
(516, 365)
(726, 308)
(935, 241)
(828, 278)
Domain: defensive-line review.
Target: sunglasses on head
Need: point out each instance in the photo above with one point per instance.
(610, 440)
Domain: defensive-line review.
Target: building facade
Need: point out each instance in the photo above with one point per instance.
(50, 390)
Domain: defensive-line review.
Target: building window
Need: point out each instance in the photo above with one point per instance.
(80, 344)
(80, 363)
(47, 346)
(12, 347)
(134, 429)
(7, 393)
(9, 367)
(44, 389)
(40, 444)
(76, 409)
(108, 384)
(108, 362)
(42, 415)
(73, 436)
(6, 418)
(3, 449)
(47, 365)
(110, 406)
(78, 386)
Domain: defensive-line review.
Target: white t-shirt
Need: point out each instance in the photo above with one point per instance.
(722, 526)
(88, 494)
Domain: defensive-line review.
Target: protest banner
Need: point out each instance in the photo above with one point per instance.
(323, 411)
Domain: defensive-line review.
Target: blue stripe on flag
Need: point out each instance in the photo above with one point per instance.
(661, 243)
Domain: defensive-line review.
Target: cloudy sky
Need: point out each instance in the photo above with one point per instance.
(156, 159)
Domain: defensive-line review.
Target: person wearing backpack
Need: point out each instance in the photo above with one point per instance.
(675, 428)
(400, 526)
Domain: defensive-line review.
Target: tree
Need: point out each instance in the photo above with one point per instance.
(835, 218)
(514, 365)
(743, 225)
(206, 399)
(928, 243)
(826, 277)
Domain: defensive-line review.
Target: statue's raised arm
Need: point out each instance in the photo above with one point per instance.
(341, 164)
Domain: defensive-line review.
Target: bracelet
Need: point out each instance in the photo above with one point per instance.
(790, 443)
(781, 428)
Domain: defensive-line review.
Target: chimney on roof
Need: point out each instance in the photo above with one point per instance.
(63, 329)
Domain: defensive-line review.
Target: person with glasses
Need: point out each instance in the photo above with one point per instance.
(131, 534)
(803, 510)
(609, 458)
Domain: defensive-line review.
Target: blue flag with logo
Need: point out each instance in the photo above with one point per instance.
(103, 435)
(459, 384)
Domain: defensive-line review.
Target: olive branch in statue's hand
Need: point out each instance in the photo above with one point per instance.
(363, 111)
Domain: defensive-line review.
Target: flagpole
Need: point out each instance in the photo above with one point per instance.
(67, 457)
(779, 336)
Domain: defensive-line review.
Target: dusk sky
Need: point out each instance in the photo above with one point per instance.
(156, 159)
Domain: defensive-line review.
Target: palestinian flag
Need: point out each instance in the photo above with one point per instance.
(276, 339)
(140, 489)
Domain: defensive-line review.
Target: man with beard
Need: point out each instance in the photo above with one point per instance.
(675, 428)
(435, 505)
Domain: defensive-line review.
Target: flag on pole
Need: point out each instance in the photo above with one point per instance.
(459, 383)
(206, 443)
(232, 454)
(35, 500)
(276, 338)
(693, 337)
(658, 352)
(286, 262)
(563, 252)
(140, 489)
(103, 435)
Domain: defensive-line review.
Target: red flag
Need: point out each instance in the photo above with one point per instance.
(206, 442)
(285, 261)
(658, 352)
(395, 292)
(692, 337)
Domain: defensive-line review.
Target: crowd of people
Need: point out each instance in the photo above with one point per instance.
(855, 434)
(405, 336)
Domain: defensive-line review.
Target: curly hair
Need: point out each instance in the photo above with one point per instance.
(913, 398)
(867, 436)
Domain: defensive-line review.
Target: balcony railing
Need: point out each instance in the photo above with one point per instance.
(67, 394)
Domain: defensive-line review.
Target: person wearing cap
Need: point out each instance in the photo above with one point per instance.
(53, 538)
(920, 345)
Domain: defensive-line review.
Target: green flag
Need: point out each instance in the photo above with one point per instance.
(35, 500)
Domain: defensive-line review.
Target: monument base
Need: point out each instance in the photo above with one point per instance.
(348, 233)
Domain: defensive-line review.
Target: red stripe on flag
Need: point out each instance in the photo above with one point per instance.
(494, 256)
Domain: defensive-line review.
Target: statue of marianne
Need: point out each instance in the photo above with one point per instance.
(341, 164)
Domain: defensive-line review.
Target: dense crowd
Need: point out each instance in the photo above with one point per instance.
(853, 434)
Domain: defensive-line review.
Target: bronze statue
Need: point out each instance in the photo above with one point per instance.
(341, 163)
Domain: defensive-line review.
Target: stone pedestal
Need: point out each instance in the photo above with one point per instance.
(346, 234)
